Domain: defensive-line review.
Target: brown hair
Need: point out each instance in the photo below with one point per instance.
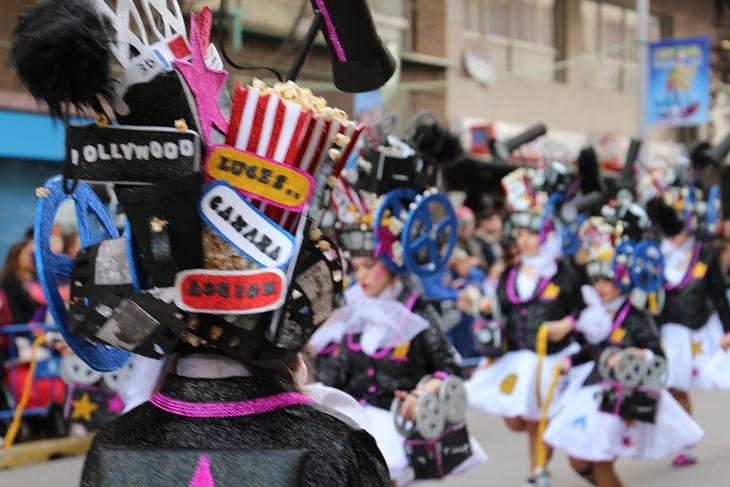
(12, 261)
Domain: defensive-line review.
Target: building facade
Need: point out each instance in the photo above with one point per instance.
(499, 65)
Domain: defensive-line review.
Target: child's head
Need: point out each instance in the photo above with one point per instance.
(606, 288)
(372, 274)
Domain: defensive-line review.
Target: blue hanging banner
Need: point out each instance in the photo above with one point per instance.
(679, 82)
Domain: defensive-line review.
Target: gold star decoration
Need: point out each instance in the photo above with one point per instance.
(696, 348)
(83, 408)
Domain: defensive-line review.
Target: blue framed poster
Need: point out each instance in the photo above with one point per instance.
(679, 82)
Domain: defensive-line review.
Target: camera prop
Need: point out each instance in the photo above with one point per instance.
(488, 338)
(631, 388)
(438, 441)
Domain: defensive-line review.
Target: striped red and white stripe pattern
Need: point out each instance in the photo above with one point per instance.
(266, 125)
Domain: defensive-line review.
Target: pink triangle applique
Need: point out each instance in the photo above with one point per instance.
(202, 477)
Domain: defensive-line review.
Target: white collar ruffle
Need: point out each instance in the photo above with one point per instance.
(382, 321)
(596, 320)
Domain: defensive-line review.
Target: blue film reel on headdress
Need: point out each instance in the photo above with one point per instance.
(647, 266)
(714, 209)
(622, 263)
(422, 232)
(549, 211)
(569, 232)
(690, 205)
(51, 265)
(396, 202)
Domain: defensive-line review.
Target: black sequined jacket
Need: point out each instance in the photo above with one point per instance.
(692, 305)
(637, 330)
(553, 300)
(375, 380)
(339, 452)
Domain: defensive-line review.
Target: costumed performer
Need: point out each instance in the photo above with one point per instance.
(539, 290)
(227, 278)
(695, 314)
(391, 341)
(592, 436)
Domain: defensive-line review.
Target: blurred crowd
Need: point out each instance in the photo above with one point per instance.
(468, 284)
(22, 302)
(483, 251)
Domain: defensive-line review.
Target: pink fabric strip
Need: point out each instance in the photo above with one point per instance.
(690, 271)
(332, 32)
(620, 319)
(329, 350)
(228, 409)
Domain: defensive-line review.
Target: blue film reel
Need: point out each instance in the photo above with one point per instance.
(622, 262)
(647, 266)
(550, 210)
(51, 265)
(421, 232)
(396, 201)
(689, 205)
(714, 209)
(571, 240)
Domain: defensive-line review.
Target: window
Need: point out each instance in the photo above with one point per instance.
(547, 35)
(498, 18)
(518, 34)
(525, 20)
(472, 15)
(605, 28)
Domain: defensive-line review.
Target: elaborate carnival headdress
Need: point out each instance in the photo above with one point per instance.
(223, 196)
(388, 207)
(674, 195)
(548, 199)
(617, 248)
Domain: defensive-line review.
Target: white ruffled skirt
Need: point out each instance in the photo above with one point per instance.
(508, 386)
(689, 352)
(718, 369)
(588, 434)
(390, 443)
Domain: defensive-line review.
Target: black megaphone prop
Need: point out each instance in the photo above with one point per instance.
(501, 150)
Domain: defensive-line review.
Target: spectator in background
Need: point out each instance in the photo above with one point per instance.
(23, 296)
(15, 279)
(461, 283)
(71, 244)
(480, 255)
(489, 232)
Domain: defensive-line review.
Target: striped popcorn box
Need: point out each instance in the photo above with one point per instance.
(316, 153)
(266, 125)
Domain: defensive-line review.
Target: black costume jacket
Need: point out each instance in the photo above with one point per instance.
(256, 450)
(637, 330)
(692, 305)
(374, 381)
(553, 300)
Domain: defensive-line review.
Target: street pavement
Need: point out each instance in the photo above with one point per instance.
(507, 465)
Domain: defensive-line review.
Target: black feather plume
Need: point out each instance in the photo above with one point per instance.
(62, 52)
(432, 140)
(590, 171)
(665, 216)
